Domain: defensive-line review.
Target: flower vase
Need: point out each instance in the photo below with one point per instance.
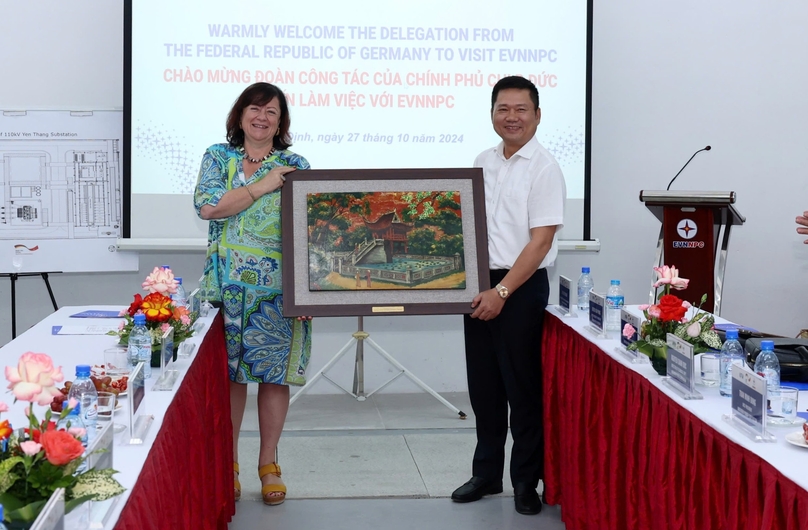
(19, 525)
(659, 360)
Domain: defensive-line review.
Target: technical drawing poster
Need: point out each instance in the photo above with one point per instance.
(61, 192)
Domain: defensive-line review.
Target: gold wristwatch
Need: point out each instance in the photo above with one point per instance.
(502, 290)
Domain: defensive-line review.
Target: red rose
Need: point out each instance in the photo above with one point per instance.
(671, 308)
(61, 447)
(134, 306)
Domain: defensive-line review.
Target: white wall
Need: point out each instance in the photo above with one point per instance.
(669, 78)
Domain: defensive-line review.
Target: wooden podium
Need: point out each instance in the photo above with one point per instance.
(693, 223)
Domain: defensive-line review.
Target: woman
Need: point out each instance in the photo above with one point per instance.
(239, 193)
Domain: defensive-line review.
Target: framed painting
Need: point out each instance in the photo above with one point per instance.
(383, 241)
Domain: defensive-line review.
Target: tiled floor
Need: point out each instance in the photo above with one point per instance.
(391, 461)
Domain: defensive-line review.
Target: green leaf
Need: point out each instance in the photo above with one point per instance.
(711, 339)
(658, 343)
(7, 478)
(708, 323)
(72, 504)
(27, 513)
(97, 484)
(681, 331)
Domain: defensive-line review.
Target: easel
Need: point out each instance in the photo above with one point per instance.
(13, 276)
(360, 336)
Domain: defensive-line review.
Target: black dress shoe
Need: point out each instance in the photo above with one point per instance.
(474, 489)
(526, 500)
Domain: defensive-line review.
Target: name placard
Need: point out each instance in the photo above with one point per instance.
(52, 515)
(680, 368)
(167, 348)
(193, 301)
(629, 333)
(564, 285)
(168, 375)
(137, 389)
(627, 319)
(749, 395)
(680, 361)
(597, 304)
(138, 423)
(99, 451)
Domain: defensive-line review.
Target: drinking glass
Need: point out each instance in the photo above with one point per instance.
(116, 362)
(710, 369)
(106, 407)
(783, 406)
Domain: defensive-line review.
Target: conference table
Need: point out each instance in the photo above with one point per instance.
(181, 476)
(623, 451)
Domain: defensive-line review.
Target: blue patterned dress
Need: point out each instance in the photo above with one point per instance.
(243, 271)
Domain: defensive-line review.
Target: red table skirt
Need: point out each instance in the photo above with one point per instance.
(620, 454)
(187, 480)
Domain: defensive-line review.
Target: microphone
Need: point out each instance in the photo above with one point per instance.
(684, 166)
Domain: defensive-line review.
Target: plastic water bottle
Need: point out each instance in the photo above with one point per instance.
(767, 365)
(2, 516)
(585, 284)
(180, 298)
(731, 354)
(614, 303)
(73, 421)
(140, 345)
(84, 392)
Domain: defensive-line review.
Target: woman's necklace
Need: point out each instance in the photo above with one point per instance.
(256, 160)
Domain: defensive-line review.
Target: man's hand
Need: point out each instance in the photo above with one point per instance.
(487, 305)
(803, 220)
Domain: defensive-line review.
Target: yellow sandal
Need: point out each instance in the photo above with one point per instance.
(267, 489)
(236, 483)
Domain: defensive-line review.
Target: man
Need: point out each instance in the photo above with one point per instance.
(524, 201)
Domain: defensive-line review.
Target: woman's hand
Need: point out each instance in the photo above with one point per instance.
(271, 181)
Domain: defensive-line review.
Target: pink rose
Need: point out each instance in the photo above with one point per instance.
(78, 432)
(160, 281)
(30, 448)
(72, 402)
(3, 407)
(165, 327)
(34, 379)
(686, 304)
(654, 311)
(629, 331)
(185, 320)
(643, 307)
(121, 325)
(670, 276)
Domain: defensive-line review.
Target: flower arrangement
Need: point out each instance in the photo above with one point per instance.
(160, 311)
(37, 460)
(668, 316)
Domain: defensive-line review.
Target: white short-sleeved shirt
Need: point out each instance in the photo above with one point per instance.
(522, 192)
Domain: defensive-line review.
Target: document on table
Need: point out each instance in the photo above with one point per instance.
(97, 313)
(83, 330)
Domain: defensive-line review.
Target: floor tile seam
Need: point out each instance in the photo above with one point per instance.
(314, 433)
(417, 467)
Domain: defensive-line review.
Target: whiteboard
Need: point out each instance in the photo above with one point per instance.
(61, 192)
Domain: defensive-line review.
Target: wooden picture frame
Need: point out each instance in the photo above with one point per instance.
(299, 299)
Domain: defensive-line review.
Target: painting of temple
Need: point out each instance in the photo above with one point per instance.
(385, 240)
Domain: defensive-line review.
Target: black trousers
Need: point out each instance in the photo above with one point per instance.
(503, 363)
